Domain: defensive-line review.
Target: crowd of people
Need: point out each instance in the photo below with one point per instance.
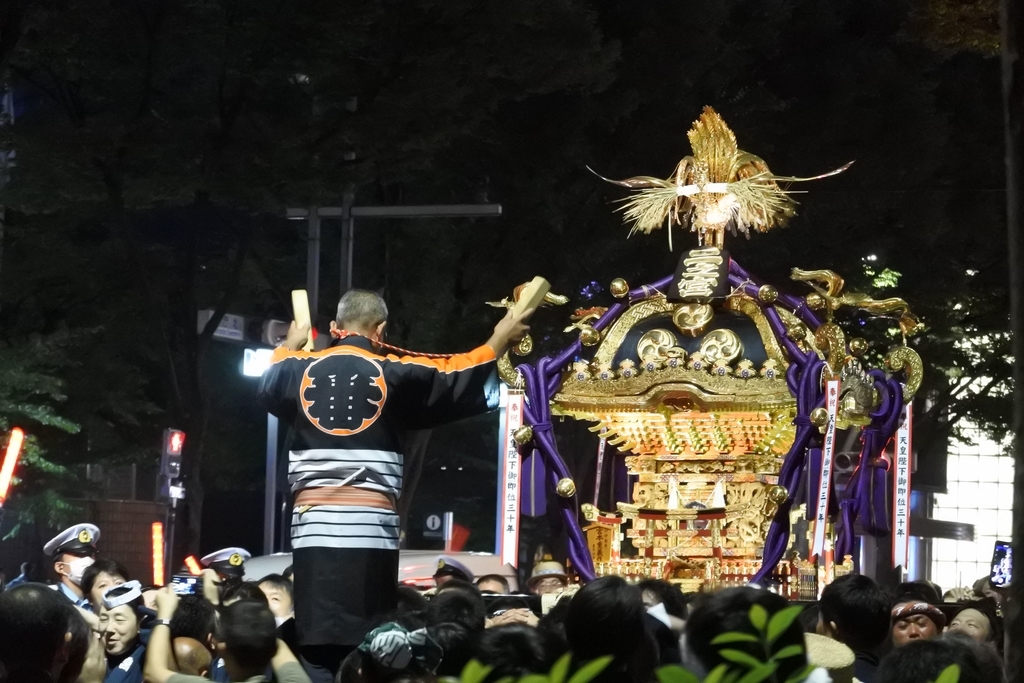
(94, 624)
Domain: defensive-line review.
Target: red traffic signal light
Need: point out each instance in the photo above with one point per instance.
(170, 461)
(174, 441)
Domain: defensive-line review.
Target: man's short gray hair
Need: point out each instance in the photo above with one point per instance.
(361, 309)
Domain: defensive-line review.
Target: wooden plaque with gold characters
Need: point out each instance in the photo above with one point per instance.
(701, 276)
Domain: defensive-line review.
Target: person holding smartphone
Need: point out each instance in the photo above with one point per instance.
(246, 639)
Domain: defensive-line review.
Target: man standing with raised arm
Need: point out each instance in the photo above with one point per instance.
(347, 406)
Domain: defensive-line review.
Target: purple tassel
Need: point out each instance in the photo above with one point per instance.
(533, 499)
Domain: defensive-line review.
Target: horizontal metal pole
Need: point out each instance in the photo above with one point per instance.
(424, 211)
(936, 528)
(427, 211)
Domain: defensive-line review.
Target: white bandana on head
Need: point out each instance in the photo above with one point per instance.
(134, 592)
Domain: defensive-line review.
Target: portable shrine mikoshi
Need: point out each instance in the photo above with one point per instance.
(723, 394)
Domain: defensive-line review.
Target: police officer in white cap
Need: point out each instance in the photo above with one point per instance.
(449, 568)
(229, 563)
(73, 550)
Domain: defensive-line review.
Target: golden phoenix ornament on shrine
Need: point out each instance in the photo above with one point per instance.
(717, 188)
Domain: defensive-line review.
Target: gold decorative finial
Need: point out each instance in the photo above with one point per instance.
(719, 187)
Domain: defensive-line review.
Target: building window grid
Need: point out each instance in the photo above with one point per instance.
(980, 483)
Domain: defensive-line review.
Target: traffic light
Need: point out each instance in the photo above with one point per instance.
(170, 462)
(174, 441)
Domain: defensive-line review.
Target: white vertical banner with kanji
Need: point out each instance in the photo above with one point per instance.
(601, 444)
(901, 488)
(828, 449)
(510, 481)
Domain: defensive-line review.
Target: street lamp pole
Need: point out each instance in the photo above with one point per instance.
(270, 490)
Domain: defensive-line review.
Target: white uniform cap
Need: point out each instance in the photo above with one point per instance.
(76, 539)
(229, 560)
(449, 566)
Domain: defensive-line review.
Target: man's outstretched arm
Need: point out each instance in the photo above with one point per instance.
(509, 330)
(158, 652)
(428, 392)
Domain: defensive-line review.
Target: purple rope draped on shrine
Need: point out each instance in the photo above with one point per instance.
(532, 482)
(809, 395)
(866, 490)
(739, 275)
(538, 414)
(541, 383)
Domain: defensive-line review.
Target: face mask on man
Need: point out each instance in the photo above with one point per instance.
(77, 567)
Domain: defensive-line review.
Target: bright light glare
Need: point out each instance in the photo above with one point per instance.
(158, 553)
(256, 361)
(10, 460)
(871, 257)
(193, 565)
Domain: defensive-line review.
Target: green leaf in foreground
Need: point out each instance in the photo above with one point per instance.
(758, 617)
(789, 651)
(740, 657)
(534, 678)
(590, 670)
(675, 674)
(951, 674)
(781, 621)
(717, 674)
(474, 672)
(759, 673)
(800, 675)
(733, 637)
(561, 669)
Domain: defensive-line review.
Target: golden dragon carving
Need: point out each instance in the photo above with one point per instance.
(829, 285)
(507, 371)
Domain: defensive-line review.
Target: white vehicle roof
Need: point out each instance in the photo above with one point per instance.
(415, 567)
